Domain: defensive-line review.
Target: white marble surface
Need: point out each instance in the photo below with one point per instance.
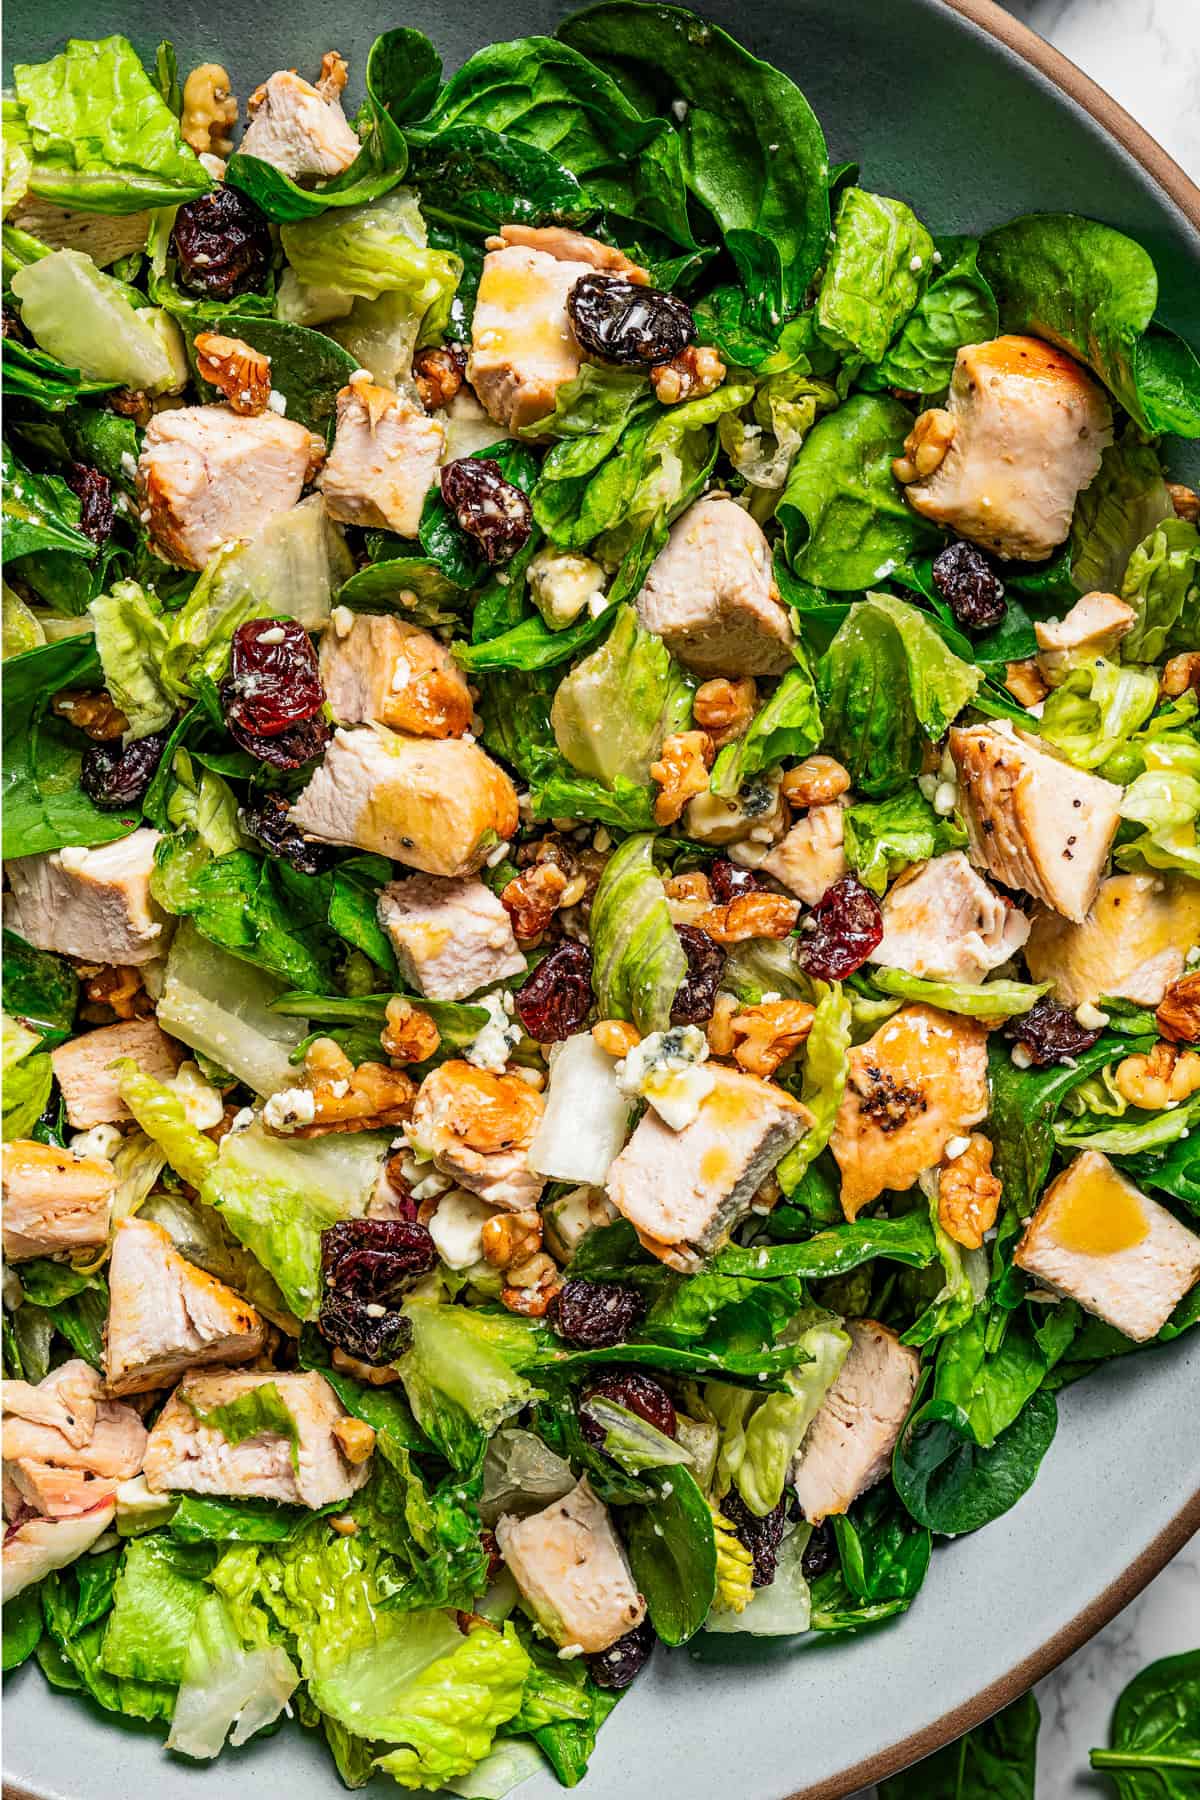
(1146, 53)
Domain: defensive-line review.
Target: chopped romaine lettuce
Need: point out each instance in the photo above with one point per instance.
(639, 963)
(86, 320)
(612, 712)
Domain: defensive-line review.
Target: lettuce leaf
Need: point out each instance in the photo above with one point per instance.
(158, 1591)
(1162, 584)
(161, 1115)
(89, 321)
(221, 1006)
(639, 963)
(458, 1382)
(260, 1411)
(786, 726)
(226, 1690)
(823, 1082)
(877, 268)
(996, 999)
(373, 250)
(612, 712)
(131, 638)
(957, 307)
(1165, 800)
(1096, 708)
(883, 837)
(760, 1435)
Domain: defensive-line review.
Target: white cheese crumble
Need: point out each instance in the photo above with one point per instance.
(342, 620)
(202, 1103)
(277, 402)
(288, 1108)
(1091, 1017)
(101, 1140)
(956, 1147)
(491, 1046)
(457, 1228)
(665, 1070)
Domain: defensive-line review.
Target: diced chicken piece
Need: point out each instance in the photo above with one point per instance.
(571, 246)
(1132, 945)
(105, 237)
(439, 805)
(1099, 1240)
(82, 1068)
(36, 1546)
(848, 1447)
(94, 904)
(54, 1200)
(920, 1081)
(522, 345)
(207, 474)
(1034, 821)
(58, 1493)
(711, 595)
(384, 459)
(1094, 626)
(571, 1569)
(942, 920)
(165, 1315)
(451, 938)
(381, 669)
(115, 1441)
(298, 129)
(683, 1191)
(1029, 427)
(186, 1455)
(811, 857)
(478, 1127)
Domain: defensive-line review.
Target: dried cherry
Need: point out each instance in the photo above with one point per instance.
(820, 1552)
(626, 322)
(488, 508)
(841, 931)
(94, 493)
(367, 1265)
(592, 1315)
(969, 585)
(1050, 1033)
(289, 749)
(222, 243)
(617, 1666)
(697, 992)
(377, 1335)
(269, 821)
(556, 999)
(761, 1537)
(726, 881)
(637, 1392)
(113, 778)
(273, 679)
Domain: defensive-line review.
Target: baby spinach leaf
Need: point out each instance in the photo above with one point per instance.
(884, 1556)
(263, 912)
(956, 308)
(22, 1627)
(209, 1519)
(40, 513)
(473, 180)
(996, 1761)
(31, 374)
(307, 367)
(673, 1554)
(353, 907)
(786, 726)
(908, 1239)
(1154, 1750)
(950, 1483)
(1168, 382)
(1114, 514)
(878, 265)
(39, 988)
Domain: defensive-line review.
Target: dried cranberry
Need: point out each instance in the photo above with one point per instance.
(488, 508)
(491, 1550)
(970, 586)
(626, 322)
(841, 931)
(636, 1392)
(820, 1553)
(623, 1661)
(556, 999)
(726, 881)
(761, 1536)
(697, 991)
(591, 1315)
(94, 492)
(367, 1264)
(290, 749)
(1050, 1033)
(270, 822)
(273, 679)
(113, 778)
(222, 243)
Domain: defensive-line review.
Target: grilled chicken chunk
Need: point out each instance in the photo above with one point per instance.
(56, 1493)
(384, 459)
(683, 1191)
(522, 345)
(1094, 626)
(378, 668)
(36, 1546)
(298, 129)
(207, 474)
(165, 1315)
(54, 1200)
(478, 1127)
(82, 1068)
(811, 857)
(438, 805)
(1099, 1240)
(1131, 946)
(1028, 429)
(920, 1081)
(66, 1400)
(451, 938)
(711, 595)
(1033, 820)
(570, 1567)
(848, 1447)
(115, 1439)
(94, 904)
(184, 1454)
(941, 920)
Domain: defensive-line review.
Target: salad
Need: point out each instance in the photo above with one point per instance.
(602, 953)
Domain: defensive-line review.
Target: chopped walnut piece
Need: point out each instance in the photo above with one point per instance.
(439, 372)
(343, 1523)
(96, 713)
(750, 916)
(925, 446)
(510, 1238)
(616, 1037)
(1178, 1012)
(724, 707)
(355, 1438)
(132, 403)
(696, 371)
(531, 1286)
(343, 1098)
(1186, 502)
(1162, 1078)
(719, 1029)
(409, 1035)
(764, 1036)
(210, 111)
(969, 1194)
(377, 1376)
(115, 988)
(815, 781)
(681, 771)
(238, 371)
(688, 896)
(532, 898)
(1180, 673)
(1025, 682)
(333, 77)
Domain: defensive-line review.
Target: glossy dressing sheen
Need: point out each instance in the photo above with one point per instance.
(1098, 1214)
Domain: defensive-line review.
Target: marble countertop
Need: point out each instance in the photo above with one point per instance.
(1146, 53)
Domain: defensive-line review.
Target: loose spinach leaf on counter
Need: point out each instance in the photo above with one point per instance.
(1154, 1749)
(995, 1761)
